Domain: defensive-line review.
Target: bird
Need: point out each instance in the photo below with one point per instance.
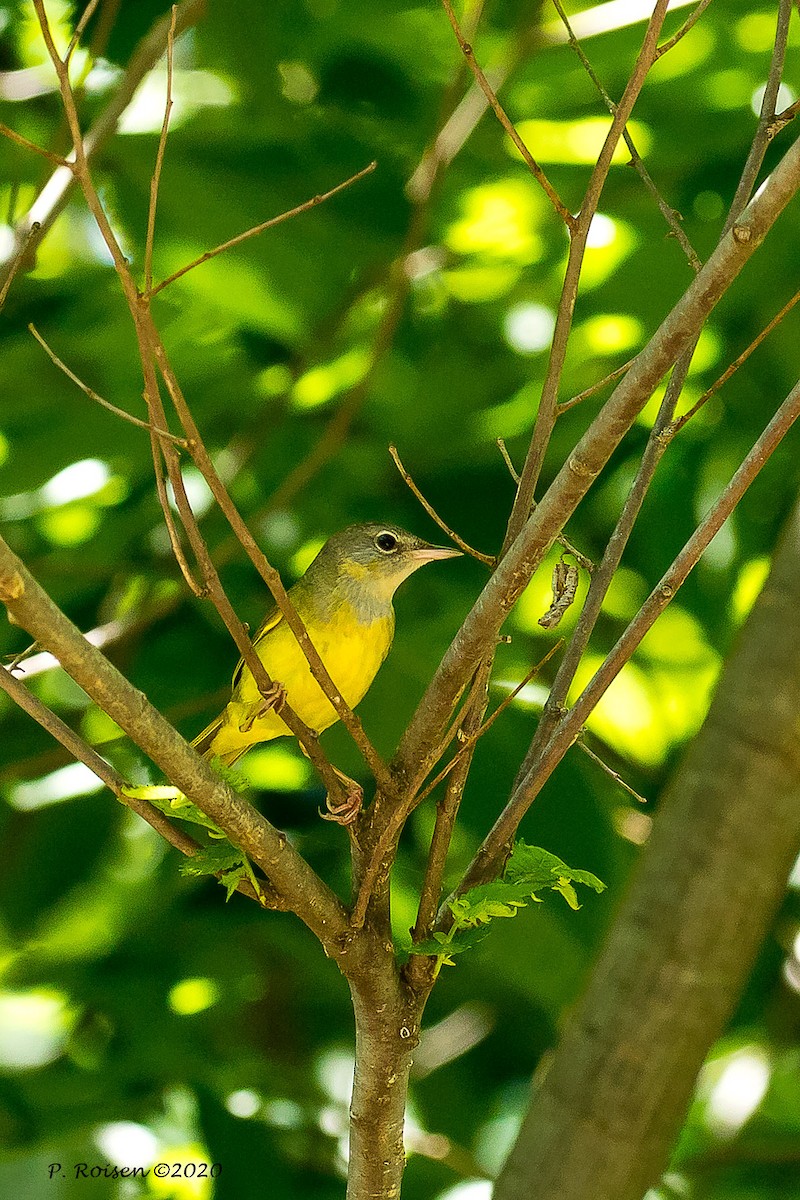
(344, 599)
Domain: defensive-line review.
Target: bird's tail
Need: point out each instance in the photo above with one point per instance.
(204, 743)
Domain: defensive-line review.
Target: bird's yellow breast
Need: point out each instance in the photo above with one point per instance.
(352, 652)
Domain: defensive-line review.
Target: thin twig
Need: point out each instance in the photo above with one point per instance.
(486, 559)
(401, 812)
(86, 17)
(497, 842)
(678, 424)
(659, 438)
(53, 196)
(566, 405)
(548, 404)
(506, 122)
(78, 749)
(118, 412)
(612, 774)
(512, 470)
(257, 229)
(667, 211)
(783, 118)
(690, 21)
(487, 724)
(17, 263)
(162, 146)
(26, 144)
(564, 542)
(446, 814)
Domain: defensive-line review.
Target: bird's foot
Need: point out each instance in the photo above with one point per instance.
(272, 700)
(346, 812)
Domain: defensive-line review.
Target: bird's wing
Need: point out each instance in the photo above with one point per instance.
(271, 620)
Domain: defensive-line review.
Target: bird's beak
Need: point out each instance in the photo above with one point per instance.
(432, 553)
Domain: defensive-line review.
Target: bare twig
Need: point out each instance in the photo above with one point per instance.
(566, 405)
(669, 214)
(688, 24)
(679, 423)
(612, 774)
(562, 540)
(658, 440)
(678, 331)
(118, 412)
(257, 229)
(503, 448)
(401, 812)
(548, 403)
(17, 263)
(85, 18)
(486, 559)
(26, 144)
(506, 122)
(162, 146)
(470, 741)
(498, 841)
(446, 814)
(53, 197)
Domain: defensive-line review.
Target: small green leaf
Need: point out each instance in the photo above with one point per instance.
(173, 803)
(529, 870)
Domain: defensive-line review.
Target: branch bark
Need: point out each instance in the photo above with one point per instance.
(30, 607)
(573, 481)
(712, 876)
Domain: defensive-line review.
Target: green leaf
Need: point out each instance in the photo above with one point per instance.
(173, 803)
(529, 870)
(538, 868)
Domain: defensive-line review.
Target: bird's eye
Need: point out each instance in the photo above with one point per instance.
(386, 542)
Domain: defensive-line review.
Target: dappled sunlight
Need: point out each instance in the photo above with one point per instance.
(629, 717)
(732, 1087)
(528, 328)
(64, 784)
(192, 91)
(499, 221)
(729, 89)
(609, 333)
(750, 580)
(276, 768)
(191, 996)
(612, 243)
(473, 284)
(576, 142)
(322, 383)
(34, 1027)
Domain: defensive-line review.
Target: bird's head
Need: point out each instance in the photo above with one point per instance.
(370, 561)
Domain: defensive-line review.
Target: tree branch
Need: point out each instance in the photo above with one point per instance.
(257, 229)
(573, 481)
(497, 842)
(53, 197)
(84, 753)
(712, 875)
(305, 893)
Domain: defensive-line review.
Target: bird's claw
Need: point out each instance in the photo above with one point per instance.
(347, 811)
(272, 700)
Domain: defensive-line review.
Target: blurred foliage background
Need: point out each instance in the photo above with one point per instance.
(141, 1018)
